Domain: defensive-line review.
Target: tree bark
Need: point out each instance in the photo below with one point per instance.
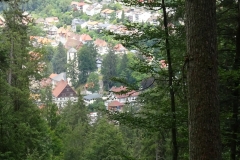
(170, 85)
(204, 126)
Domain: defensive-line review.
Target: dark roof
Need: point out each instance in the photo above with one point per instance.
(92, 96)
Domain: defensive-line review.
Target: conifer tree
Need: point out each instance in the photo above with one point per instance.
(24, 132)
(202, 75)
(59, 61)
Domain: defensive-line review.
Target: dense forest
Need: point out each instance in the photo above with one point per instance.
(185, 70)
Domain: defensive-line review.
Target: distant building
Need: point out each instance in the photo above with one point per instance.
(101, 46)
(78, 22)
(89, 99)
(115, 106)
(120, 49)
(63, 93)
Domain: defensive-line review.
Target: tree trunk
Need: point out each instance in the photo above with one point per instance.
(170, 85)
(204, 126)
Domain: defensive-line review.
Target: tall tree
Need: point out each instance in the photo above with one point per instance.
(86, 62)
(109, 69)
(23, 132)
(229, 53)
(75, 129)
(201, 61)
(59, 61)
(106, 142)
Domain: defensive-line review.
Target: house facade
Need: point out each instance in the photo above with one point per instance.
(121, 95)
(101, 46)
(93, 9)
(63, 93)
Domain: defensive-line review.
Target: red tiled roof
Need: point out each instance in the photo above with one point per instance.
(85, 37)
(114, 104)
(119, 47)
(116, 91)
(59, 88)
(81, 4)
(100, 43)
(53, 75)
(73, 43)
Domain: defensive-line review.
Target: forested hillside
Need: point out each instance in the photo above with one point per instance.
(100, 80)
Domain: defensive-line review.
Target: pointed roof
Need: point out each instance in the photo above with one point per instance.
(53, 75)
(115, 103)
(100, 43)
(73, 43)
(119, 47)
(63, 30)
(117, 92)
(85, 37)
(59, 77)
(59, 88)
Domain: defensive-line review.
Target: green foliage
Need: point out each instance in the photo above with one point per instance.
(124, 69)
(107, 143)
(72, 71)
(59, 60)
(75, 129)
(24, 132)
(86, 62)
(97, 106)
(115, 6)
(49, 53)
(109, 69)
(93, 82)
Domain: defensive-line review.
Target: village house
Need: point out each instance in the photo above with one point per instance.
(62, 34)
(63, 93)
(89, 99)
(80, 6)
(119, 14)
(92, 25)
(103, 26)
(57, 78)
(120, 49)
(106, 13)
(101, 46)
(73, 41)
(117, 93)
(93, 9)
(49, 21)
(52, 32)
(85, 38)
(115, 106)
(138, 16)
(78, 22)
